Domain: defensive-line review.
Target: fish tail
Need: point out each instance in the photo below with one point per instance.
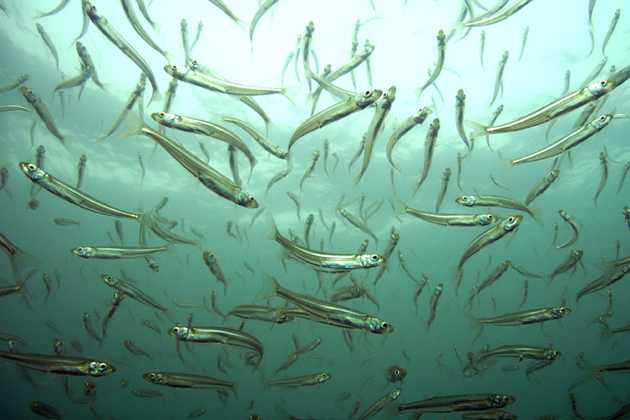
(132, 127)
(233, 388)
(606, 334)
(66, 141)
(399, 206)
(506, 164)
(8, 191)
(22, 259)
(474, 321)
(146, 220)
(155, 96)
(290, 92)
(169, 57)
(416, 187)
(269, 287)
(418, 92)
(536, 216)
(272, 229)
(480, 129)
(590, 372)
(607, 267)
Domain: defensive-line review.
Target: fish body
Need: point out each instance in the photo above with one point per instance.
(498, 82)
(17, 82)
(498, 201)
(310, 168)
(433, 302)
(61, 365)
(416, 119)
(611, 29)
(532, 316)
(44, 114)
(215, 269)
(185, 380)
(446, 177)
(48, 43)
(489, 236)
(261, 313)
(334, 113)
(429, 147)
(457, 403)
(132, 292)
(603, 164)
(525, 33)
(460, 106)
(356, 222)
(441, 46)
(574, 226)
(571, 261)
(298, 382)
(321, 261)
(135, 96)
(119, 42)
(259, 14)
(44, 410)
(541, 186)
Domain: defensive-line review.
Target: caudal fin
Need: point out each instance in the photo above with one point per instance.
(269, 287)
(536, 216)
(399, 206)
(22, 259)
(290, 92)
(480, 129)
(272, 230)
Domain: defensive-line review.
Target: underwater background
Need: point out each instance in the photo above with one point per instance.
(404, 37)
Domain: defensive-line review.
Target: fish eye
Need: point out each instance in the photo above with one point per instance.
(562, 310)
(397, 372)
(603, 83)
(602, 118)
(194, 62)
(490, 217)
(506, 399)
(102, 367)
(174, 67)
(31, 167)
(374, 257)
(511, 219)
(367, 93)
(251, 199)
(162, 114)
(86, 384)
(176, 330)
(151, 376)
(384, 325)
(93, 8)
(80, 249)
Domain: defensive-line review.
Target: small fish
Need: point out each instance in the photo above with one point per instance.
(482, 46)
(542, 186)
(446, 177)
(429, 147)
(441, 46)
(310, 168)
(603, 164)
(416, 119)
(498, 82)
(574, 226)
(525, 33)
(81, 170)
(114, 304)
(135, 349)
(215, 269)
(611, 29)
(48, 43)
(357, 223)
(146, 393)
(435, 297)
(624, 173)
(571, 261)
(298, 382)
(44, 410)
(44, 114)
(60, 365)
(460, 106)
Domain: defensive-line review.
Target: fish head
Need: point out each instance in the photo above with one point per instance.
(486, 219)
(92, 11)
(367, 97)
(511, 222)
(100, 368)
(83, 251)
(33, 204)
(28, 94)
(466, 200)
(179, 333)
(32, 171)
(560, 312)
(164, 118)
(323, 377)
(176, 71)
(499, 401)
(503, 415)
(247, 200)
(357, 292)
(153, 377)
(395, 373)
(552, 355)
(553, 175)
(379, 327)
(279, 317)
(372, 260)
(602, 122)
(110, 280)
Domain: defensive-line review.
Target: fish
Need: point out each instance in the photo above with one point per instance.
(307, 39)
(320, 261)
(40, 14)
(135, 24)
(79, 80)
(357, 223)
(525, 272)
(119, 42)
(611, 29)
(622, 179)
(435, 297)
(135, 349)
(525, 33)
(441, 46)
(497, 13)
(261, 313)
(211, 335)
(298, 382)
(334, 113)
(457, 403)
(213, 266)
(81, 171)
(196, 126)
(429, 147)
(416, 119)
(532, 316)
(132, 292)
(145, 12)
(574, 226)
(296, 200)
(14, 84)
(603, 164)
(482, 45)
(44, 114)
(114, 304)
(460, 106)
(325, 156)
(322, 311)
(146, 393)
(359, 152)
(222, 86)
(542, 186)
(488, 237)
(310, 168)
(381, 404)
(135, 96)
(498, 82)
(570, 262)
(228, 12)
(495, 116)
(48, 43)
(446, 177)
(150, 324)
(60, 365)
(498, 201)
(263, 141)
(383, 108)
(43, 409)
(208, 176)
(185, 380)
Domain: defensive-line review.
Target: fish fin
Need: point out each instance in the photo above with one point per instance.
(474, 321)
(269, 287)
(606, 334)
(399, 206)
(67, 141)
(233, 388)
(22, 259)
(155, 96)
(506, 164)
(590, 373)
(272, 229)
(290, 92)
(607, 267)
(536, 216)
(146, 220)
(132, 127)
(480, 129)
(418, 92)
(416, 186)
(170, 249)
(8, 191)
(169, 57)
